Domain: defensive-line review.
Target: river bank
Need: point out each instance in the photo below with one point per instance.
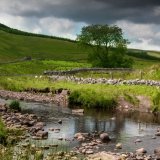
(98, 95)
(62, 97)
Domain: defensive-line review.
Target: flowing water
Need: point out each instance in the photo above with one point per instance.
(122, 127)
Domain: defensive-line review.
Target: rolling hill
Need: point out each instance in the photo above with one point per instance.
(16, 44)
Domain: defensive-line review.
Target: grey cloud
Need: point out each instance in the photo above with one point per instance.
(91, 11)
(139, 19)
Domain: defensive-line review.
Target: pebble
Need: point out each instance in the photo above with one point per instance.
(141, 151)
(138, 141)
(119, 146)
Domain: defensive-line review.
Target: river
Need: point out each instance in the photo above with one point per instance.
(122, 127)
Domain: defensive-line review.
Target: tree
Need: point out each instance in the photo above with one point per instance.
(108, 45)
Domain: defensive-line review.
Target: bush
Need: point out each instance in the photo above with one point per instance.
(15, 105)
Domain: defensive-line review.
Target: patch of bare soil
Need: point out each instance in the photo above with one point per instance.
(143, 106)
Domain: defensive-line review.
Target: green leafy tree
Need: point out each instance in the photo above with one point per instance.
(108, 45)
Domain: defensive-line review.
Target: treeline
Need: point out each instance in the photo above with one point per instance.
(18, 32)
(142, 55)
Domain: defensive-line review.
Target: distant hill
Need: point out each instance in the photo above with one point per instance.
(18, 32)
(18, 45)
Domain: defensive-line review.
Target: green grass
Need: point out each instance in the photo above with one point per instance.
(15, 47)
(91, 99)
(156, 102)
(15, 105)
(131, 99)
(155, 54)
(3, 132)
(143, 64)
(89, 95)
(38, 67)
(51, 53)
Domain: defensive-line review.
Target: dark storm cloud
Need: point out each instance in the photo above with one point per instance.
(89, 11)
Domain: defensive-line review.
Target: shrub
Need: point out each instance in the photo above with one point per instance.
(15, 105)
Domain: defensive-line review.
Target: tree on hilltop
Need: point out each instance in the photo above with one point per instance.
(107, 44)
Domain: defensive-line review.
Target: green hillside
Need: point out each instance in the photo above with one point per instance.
(15, 45)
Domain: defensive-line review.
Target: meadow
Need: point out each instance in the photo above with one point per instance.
(39, 66)
(86, 95)
(15, 47)
(54, 53)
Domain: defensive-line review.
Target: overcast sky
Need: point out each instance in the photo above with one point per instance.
(139, 19)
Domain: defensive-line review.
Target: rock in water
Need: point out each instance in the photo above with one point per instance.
(138, 141)
(81, 138)
(141, 151)
(77, 135)
(119, 146)
(157, 152)
(104, 137)
(89, 152)
(60, 121)
(42, 134)
(157, 134)
(78, 111)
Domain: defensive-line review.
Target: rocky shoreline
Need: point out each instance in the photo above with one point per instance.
(60, 98)
(92, 142)
(25, 122)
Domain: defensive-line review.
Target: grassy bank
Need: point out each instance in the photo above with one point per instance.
(8, 136)
(149, 73)
(38, 67)
(3, 132)
(89, 95)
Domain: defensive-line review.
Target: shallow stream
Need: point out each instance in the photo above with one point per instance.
(122, 127)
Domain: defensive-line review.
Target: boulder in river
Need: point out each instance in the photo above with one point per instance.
(138, 141)
(42, 134)
(119, 146)
(141, 151)
(104, 137)
(81, 134)
(81, 138)
(60, 121)
(158, 133)
(78, 111)
(40, 124)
